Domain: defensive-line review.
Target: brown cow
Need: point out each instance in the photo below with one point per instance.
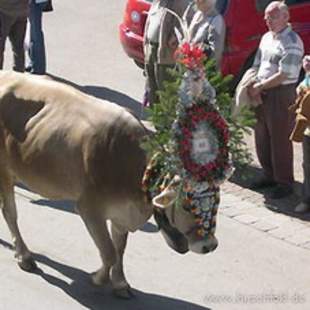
(64, 144)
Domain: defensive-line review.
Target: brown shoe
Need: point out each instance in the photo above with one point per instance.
(302, 207)
(263, 183)
(281, 191)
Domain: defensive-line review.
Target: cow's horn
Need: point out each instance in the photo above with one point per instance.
(165, 199)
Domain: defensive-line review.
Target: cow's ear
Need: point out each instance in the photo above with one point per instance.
(165, 199)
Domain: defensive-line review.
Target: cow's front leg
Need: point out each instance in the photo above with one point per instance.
(22, 254)
(119, 282)
(95, 222)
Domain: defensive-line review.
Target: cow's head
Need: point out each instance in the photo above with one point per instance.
(181, 226)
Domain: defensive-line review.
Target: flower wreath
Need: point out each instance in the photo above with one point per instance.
(203, 131)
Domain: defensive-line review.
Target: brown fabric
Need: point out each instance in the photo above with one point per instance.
(14, 7)
(272, 131)
(242, 97)
(157, 74)
(302, 108)
(15, 29)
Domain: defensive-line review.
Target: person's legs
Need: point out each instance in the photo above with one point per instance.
(17, 37)
(262, 142)
(280, 124)
(304, 205)
(5, 24)
(37, 47)
(306, 169)
(163, 75)
(151, 76)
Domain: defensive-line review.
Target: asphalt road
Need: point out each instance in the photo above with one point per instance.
(249, 270)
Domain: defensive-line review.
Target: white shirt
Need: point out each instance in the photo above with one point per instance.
(281, 52)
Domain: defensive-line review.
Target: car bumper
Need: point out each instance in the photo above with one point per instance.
(132, 43)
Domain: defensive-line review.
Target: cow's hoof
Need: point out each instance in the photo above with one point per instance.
(123, 293)
(27, 264)
(100, 278)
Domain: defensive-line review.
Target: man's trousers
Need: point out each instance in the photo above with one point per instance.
(156, 74)
(273, 128)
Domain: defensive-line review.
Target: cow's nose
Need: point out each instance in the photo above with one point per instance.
(211, 246)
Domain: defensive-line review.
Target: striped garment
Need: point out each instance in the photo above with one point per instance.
(281, 52)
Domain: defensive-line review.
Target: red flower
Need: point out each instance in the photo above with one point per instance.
(191, 56)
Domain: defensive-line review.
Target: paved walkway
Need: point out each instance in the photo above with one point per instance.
(275, 217)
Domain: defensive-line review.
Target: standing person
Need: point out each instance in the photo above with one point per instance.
(160, 43)
(303, 91)
(278, 63)
(208, 27)
(13, 22)
(36, 51)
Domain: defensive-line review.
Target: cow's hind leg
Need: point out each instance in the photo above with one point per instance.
(22, 254)
(92, 215)
(120, 285)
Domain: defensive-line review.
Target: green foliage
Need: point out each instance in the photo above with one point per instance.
(163, 113)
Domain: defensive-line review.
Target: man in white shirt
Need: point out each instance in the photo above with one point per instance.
(278, 63)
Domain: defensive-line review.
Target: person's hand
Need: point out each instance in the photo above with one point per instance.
(254, 89)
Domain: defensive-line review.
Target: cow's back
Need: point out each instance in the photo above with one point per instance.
(59, 141)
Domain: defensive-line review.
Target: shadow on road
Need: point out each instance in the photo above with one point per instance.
(149, 228)
(61, 205)
(285, 206)
(92, 297)
(80, 288)
(106, 94)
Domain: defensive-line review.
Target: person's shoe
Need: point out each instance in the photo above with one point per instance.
(263, 183)
(302, 207)
(28, 69)
(281, 191)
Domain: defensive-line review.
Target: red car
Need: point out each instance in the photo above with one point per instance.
(244, 27)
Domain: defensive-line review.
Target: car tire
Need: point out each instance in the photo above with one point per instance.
(139, 64)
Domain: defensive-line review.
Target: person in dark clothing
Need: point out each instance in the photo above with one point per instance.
(37, 53)
(13, 23)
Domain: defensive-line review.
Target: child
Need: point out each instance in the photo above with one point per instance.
(302, 90)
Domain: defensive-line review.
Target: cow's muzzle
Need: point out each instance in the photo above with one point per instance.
(204, 246)
(175, 239)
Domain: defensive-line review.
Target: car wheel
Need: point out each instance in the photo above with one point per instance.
(139, 64)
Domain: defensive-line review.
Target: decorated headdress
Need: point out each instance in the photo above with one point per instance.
(199, 142)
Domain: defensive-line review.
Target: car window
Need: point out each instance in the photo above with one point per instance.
(221, 5)
(261, 4)
(292, 2)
